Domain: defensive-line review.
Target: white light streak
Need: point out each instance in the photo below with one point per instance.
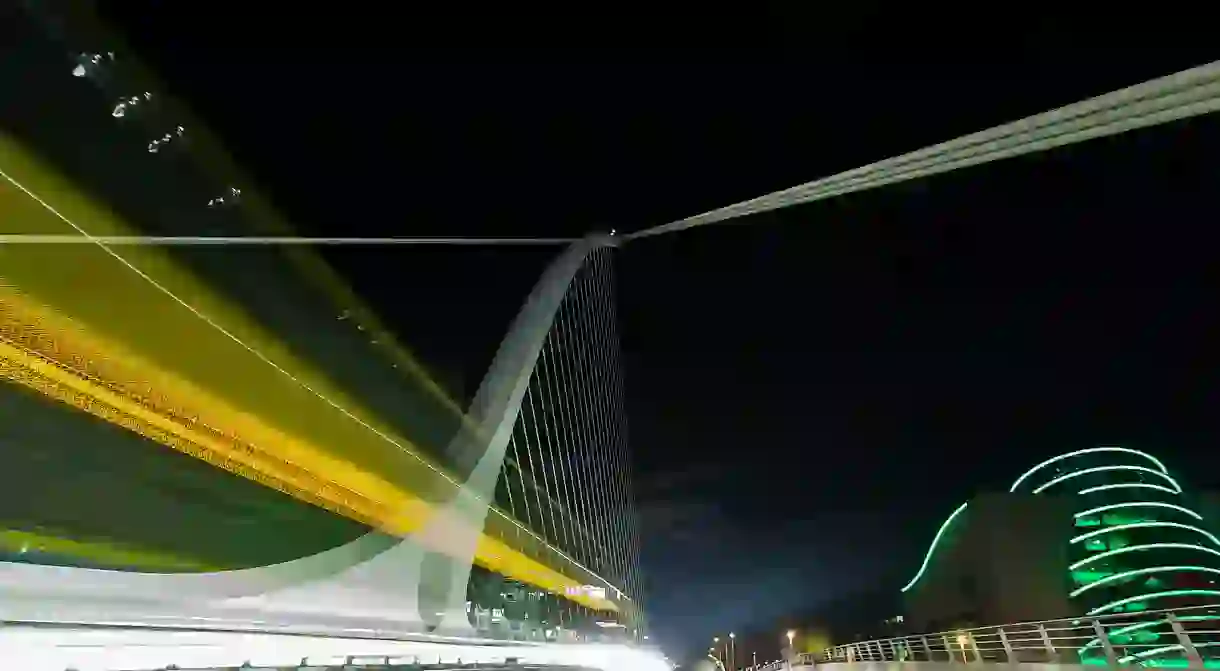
(258, 241)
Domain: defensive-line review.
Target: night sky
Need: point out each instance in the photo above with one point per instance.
(811, 391)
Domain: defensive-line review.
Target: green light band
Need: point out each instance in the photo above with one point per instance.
(1140, 525)
(1145, 485)
(1136, 548)
(1144, 625)
(1101, 469)
(1157, 651)
(932, 548)
(1140, 571)
(1153, 595)
(1138, 504)
(1067, 455)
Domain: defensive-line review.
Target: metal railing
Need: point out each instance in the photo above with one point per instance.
(393, 665)
(1179, 637)
(767, 666)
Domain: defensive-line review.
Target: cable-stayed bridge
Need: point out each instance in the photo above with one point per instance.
(361, 502)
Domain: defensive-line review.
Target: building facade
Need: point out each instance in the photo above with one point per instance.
(999, 558)
(1095, 531)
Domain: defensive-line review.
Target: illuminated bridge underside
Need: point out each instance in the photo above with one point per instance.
(1136, 546)
(128, 371)
(373, 580)
(250, 418)
(169, 347)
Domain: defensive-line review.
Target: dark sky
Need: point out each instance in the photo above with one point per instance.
(810, 391)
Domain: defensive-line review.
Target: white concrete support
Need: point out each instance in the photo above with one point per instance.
(372, 582)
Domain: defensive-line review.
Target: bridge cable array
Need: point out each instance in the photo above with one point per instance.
(1186, 94)
(566, 473)
(1178, 96)
(262, 241)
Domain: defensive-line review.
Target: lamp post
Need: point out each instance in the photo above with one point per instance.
(732, 651)
(791, 648)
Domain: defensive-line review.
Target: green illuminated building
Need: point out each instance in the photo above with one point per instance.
(1098, 531)
(1138, 545)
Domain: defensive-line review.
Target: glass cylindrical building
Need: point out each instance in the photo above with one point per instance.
(1137, 544)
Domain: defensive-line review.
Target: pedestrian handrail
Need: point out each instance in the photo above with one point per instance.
(1138, 638)
(803, 659)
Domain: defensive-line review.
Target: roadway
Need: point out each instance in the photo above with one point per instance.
(42, 648)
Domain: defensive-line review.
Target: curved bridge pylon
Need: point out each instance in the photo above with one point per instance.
(545, 438)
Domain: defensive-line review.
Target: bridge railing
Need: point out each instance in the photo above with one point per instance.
(1180, 637)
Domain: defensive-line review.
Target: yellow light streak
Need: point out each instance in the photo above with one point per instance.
(130, 356)
(53, 366)
(98, 551)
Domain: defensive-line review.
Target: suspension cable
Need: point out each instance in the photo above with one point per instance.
(1178, 96)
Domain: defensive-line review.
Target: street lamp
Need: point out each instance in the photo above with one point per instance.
(791, 648)
(732, 651)
(962, 640)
